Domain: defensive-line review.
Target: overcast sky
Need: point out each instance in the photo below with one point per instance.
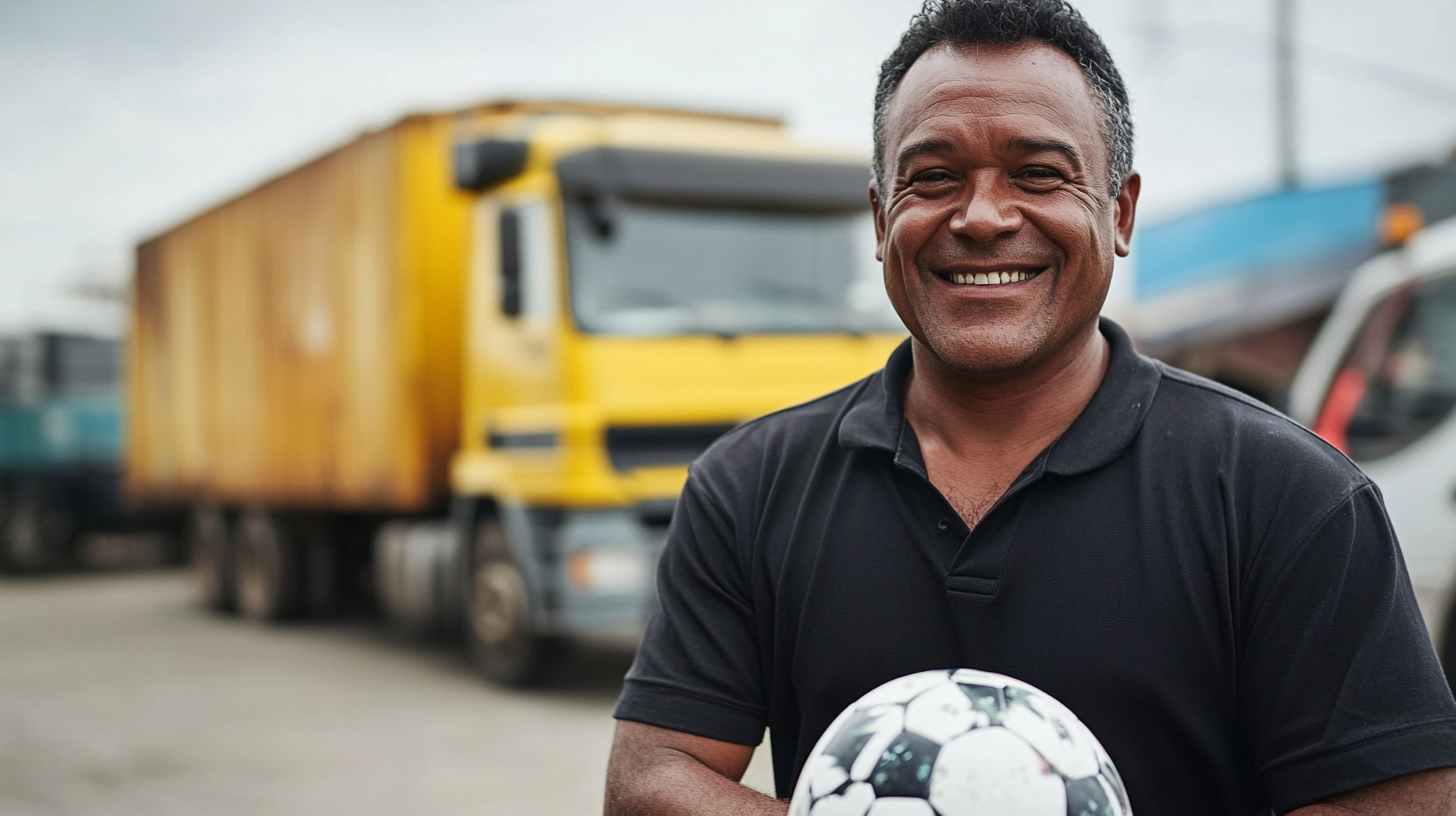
(121, 117)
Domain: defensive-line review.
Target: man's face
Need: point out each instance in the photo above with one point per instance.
(998, 171)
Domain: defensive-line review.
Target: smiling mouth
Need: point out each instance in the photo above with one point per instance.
(990, 278)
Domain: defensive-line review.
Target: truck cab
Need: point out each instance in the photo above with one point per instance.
(640, 285)
(60, 436)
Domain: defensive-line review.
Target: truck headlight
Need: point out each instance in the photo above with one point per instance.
(608, 570)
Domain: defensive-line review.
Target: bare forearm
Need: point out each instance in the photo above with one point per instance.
(653, 772)
(1429, 793)
(686, 787)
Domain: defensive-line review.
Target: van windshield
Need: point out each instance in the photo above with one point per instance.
(653, 269)
(1399, 377)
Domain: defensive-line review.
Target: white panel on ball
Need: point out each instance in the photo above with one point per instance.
(904, 689)
(1060, 738)
(855, 801)
(901, 806)
(942, 712)
(992, 772)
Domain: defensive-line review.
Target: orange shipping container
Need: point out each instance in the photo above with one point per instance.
(300, 344)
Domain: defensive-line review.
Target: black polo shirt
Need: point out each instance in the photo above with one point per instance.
(1216, 592)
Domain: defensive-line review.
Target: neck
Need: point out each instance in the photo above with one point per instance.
(1003, 418)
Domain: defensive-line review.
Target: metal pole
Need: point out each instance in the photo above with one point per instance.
(1285, 120)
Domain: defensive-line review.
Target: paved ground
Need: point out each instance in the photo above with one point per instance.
(119, 697)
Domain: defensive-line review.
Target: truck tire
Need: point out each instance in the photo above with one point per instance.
(11, 561)
(37, 533)
(270, 567)
(211, 552)
(8, 563)
(500, 620)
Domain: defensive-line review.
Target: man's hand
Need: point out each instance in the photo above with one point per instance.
(657, 772)
(1428, 793)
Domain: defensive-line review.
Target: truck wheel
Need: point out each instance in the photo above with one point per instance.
(9, 564)
(12, 560)
(210, 549)
(270, 567)
(501, 631)
(36, 534)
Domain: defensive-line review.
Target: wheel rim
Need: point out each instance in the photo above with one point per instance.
(23, 536)
(497, 602)
(207, 558)
(257, 570)
(204, 569)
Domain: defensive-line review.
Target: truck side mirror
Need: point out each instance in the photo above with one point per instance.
(510, 262)
(488, 162)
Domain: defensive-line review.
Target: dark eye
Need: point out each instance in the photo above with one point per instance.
(930, 177)
(1040, 177)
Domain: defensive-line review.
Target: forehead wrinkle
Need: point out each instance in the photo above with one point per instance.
(1055, 82)
(1037, 125)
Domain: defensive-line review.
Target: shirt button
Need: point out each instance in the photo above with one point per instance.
(943, 525)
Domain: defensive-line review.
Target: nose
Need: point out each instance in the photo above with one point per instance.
(990, 212)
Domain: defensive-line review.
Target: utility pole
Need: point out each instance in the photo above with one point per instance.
(1285, 102)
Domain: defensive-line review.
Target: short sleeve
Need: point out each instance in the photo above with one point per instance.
(1339, 686)
(697, 669)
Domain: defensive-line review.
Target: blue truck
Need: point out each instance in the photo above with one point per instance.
(60, 451)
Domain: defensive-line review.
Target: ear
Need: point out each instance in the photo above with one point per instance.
(1127, 211)
(879, 214)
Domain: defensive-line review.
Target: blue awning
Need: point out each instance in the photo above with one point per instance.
(1261, 234)
(1237, 266)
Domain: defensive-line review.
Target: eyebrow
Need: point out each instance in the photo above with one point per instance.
(920, 148)
(1020, 144)
(1025, 145)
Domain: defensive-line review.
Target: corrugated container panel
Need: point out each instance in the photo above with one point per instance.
(300, 345)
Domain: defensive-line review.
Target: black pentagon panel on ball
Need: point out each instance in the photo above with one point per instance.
(904, 768)
(987, 699)
(1109, 772)
(1087, 797)
(851, 738)
(1016, 696)
(1026, 699)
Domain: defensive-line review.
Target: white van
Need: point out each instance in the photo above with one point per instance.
(1380, 383)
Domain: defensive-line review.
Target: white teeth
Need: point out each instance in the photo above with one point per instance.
(991, 279)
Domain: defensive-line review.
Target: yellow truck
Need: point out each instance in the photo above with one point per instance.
(464, 361)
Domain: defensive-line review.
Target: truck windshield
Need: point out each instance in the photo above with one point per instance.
(660, 270)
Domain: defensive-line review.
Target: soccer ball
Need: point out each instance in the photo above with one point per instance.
(958, 743)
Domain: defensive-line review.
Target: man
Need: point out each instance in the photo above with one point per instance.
(1213, 590)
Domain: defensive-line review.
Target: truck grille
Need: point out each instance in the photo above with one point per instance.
(642, 445)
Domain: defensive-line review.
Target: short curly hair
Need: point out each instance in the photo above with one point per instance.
(1007, 22)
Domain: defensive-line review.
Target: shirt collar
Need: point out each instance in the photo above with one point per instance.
(1097, 436)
